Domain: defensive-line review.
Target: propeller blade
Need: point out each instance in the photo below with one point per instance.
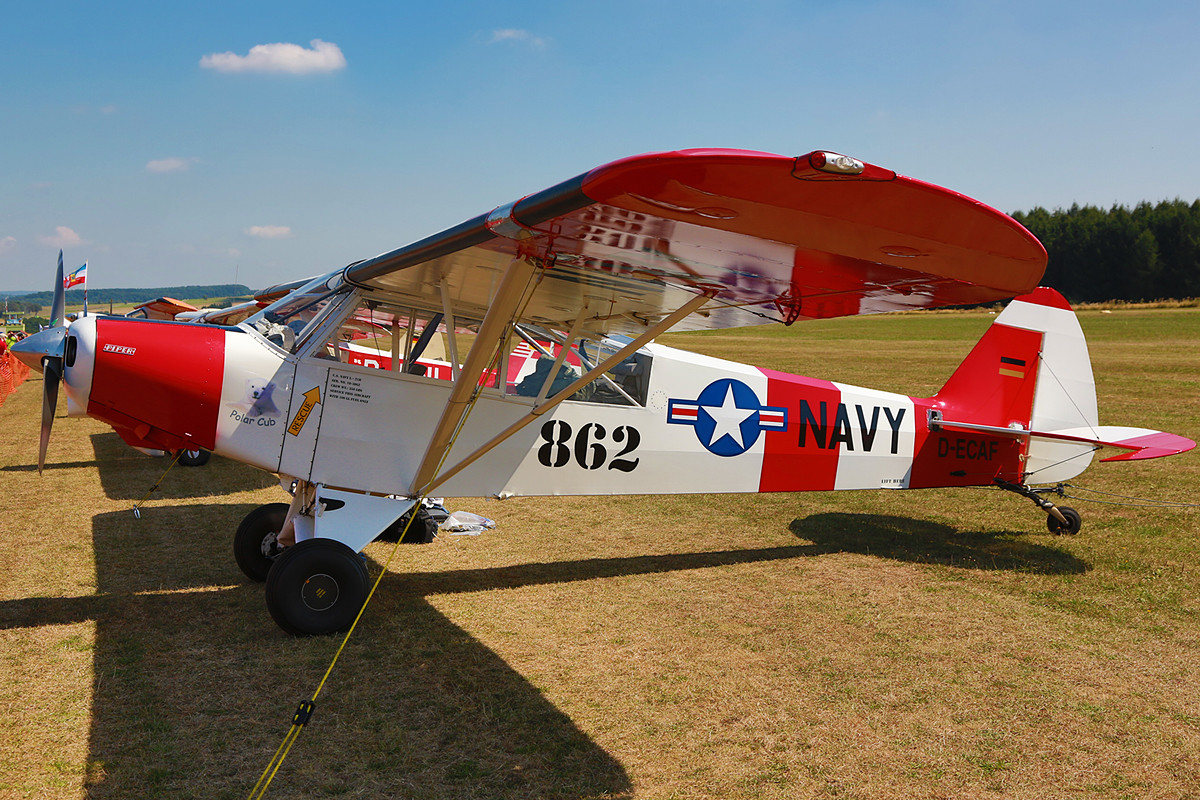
(58, 307)
(52, 368)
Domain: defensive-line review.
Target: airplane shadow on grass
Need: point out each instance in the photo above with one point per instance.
(194, 686)
(126, 474)
(925, 542)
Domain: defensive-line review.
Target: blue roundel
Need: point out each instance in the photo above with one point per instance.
(727, 420)
(727, 417)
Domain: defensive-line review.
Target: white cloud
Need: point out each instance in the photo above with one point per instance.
(7, 243)
(170, 165)
(269, 231)
(280, 57)
(109, 109)
(518, 35)
(63, 237)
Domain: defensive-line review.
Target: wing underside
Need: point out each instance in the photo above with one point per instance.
(768, 238)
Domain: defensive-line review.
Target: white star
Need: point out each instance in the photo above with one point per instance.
(729, 419)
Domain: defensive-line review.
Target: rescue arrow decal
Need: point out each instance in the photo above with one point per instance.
(311, 398)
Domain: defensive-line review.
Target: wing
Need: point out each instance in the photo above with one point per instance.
(767, 237)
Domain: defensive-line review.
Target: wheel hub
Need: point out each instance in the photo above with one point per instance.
(319, 592)
(269, 548)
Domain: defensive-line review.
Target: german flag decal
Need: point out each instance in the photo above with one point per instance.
(1012, 367)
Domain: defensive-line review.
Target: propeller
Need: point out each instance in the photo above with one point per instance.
(43, 352)
(52, 370)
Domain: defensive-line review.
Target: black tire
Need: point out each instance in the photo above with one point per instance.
(1074, 522)
(194, 458)
(421, 531)
(254, 545)
(316, 587)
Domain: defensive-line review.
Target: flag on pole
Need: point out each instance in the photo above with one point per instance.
(77, 277)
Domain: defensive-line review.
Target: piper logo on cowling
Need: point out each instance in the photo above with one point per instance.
(120, 349)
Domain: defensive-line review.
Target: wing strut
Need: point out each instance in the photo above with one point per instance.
(491, 332)
(661, 327)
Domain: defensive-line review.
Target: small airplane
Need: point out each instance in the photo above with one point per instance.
(513, 354)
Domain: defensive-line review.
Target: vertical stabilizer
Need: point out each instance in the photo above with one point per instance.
(1030, 370)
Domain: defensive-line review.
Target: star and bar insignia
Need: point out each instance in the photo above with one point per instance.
(727, 417)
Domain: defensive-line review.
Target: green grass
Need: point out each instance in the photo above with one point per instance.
(828, 645)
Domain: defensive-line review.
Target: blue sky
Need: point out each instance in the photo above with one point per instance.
(183, 143)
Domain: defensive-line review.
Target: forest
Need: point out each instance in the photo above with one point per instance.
(1149, 252)
(96, 297)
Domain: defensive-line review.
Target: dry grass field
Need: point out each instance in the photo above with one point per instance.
(936, 644)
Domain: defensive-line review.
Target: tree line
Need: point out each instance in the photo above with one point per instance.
(74, 297)
(1148, 252)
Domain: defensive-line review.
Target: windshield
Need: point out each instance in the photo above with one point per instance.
(286, 322)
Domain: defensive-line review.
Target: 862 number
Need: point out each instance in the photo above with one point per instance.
(587, 446)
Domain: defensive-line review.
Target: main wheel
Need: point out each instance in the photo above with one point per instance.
(316, 587)
(1074, 522)
(194, 458)
(254, 544)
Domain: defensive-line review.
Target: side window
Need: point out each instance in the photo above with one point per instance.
(626, 383)
(530, 367)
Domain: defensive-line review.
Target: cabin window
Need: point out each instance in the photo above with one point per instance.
(626, 383)
(388, 337)
(396, 338)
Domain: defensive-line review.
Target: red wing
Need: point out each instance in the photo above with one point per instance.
(776, 238)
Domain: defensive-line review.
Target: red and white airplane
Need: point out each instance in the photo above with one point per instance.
(513, 355)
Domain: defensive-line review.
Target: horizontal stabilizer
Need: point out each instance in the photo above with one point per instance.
(1138, 443)
(1142, 443)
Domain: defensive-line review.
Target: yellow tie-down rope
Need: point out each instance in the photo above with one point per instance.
(137, 507)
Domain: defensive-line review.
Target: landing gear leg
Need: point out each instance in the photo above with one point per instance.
(1059, 519)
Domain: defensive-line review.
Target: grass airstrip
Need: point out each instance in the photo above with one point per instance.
(935, 644)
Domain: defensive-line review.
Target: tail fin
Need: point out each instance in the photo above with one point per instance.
(1031, 371)
(1030, 377)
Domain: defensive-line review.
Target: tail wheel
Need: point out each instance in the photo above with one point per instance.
(316, 587)
(1074, 522)
(194, 458)
(254, 545)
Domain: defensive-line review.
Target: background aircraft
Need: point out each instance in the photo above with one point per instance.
(512, 354)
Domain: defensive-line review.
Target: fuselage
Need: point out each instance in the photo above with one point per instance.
(688, 423)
